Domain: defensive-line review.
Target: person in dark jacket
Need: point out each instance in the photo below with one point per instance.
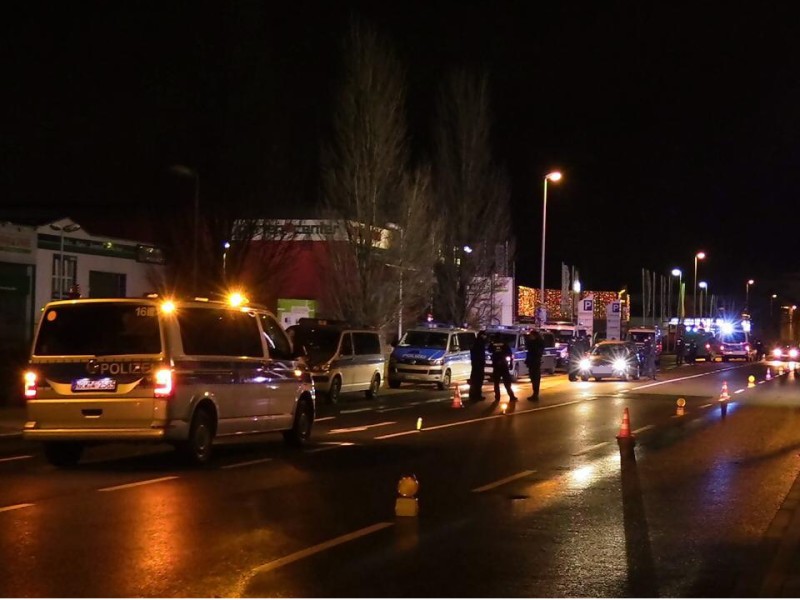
(577, 350)
(680, 349)
(533, 360)
(501, 357)
(477, 376)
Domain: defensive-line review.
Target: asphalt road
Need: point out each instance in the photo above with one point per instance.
(536, 501)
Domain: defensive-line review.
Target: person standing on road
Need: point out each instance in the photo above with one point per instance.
(577, 350)
(477, 356)
(680, 348)
(691, 353)
(533, 360)
(649, 358)
(501, 357)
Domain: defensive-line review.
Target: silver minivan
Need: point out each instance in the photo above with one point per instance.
(183, 372)
(342, 358)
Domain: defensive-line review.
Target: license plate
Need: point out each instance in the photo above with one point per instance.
(85, 384)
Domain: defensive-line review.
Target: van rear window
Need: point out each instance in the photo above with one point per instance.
(98, 329)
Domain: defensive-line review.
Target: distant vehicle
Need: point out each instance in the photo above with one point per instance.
(514, 336)
(785, 351)
(342, 358)
(612, 359)
(704, 342)
(432, 353)
(639, 336)
(564, 333)
(731, 342)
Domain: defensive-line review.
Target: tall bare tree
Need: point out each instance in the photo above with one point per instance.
(473, 195)
(380, 206)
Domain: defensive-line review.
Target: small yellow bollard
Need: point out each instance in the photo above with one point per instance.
(503, 407)
(681, 406)
(751, 381)
(419, 423)
(406, 504)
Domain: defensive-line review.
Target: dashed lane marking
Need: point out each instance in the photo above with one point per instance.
(324, 419)
(246, 464)
(499, 482)
(361, 428)
(330, 447)
(137, 484)
(14, 507)
(10, 458)
(590, 448)
(641, 429)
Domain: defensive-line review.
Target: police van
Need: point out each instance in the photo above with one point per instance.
(184, 372)
(515, 337)
(564, 333)
(342, 358)
(432, 353)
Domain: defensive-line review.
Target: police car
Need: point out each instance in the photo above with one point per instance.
(432, 353)
(514, 336)
(564, 333)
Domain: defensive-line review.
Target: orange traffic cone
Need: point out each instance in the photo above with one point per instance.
(723, 395)
(625, 428)
(457, 403)
(769, 374)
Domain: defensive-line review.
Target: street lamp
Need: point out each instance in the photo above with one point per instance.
(62, 229)
(188, 172)
(576, 290)
(396, 227)
(771, 301)
(699, 256)
(679, 274)
(226, 247)
(553, 176)
(747, 294)
(703, 296)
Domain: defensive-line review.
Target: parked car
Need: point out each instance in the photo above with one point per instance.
(342, 358)
(612, 359)
(149, 370)
(432, 353)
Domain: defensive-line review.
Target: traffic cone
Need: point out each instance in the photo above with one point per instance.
(769, 374)
(625, 427)
(723, 395)
(457, 403)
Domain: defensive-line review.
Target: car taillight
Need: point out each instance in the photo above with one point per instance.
(30, 384)
(163, 383)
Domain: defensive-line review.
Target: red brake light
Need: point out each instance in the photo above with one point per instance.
(163, 383)
(30, 384)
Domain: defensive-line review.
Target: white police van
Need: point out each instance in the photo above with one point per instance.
(432, 353)
(182, 372)
(515, 337)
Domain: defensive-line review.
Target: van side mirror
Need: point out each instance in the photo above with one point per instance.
(394, 342)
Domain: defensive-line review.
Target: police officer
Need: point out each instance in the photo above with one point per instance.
(691, 353)
(680, 348)
(577, 350)
(501, 357)
(477, 356)
(533, 360)
(650, 358)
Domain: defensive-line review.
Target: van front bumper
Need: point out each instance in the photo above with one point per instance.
(418, 373)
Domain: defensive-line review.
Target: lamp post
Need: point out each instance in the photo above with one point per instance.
(552, 176)
(398, 228)
(576, 295)
(189, 172)
(703, 296)
(226, 246)
(62, 229)
(699, 256)
(679, 274)
(747, 295)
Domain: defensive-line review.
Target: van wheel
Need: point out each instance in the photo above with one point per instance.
(374, 386)
(197, 449)
(572, 377)
(394, 384)
(301, 428)
(515, 374)
(445, 382)
(584, 378)
(336, 390)
(63, 454)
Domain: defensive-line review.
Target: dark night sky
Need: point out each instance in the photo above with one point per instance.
(675, 124)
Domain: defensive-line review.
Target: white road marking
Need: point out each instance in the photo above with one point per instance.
(330, 447)
(136, 484)
(10, 458)
(324, 419)
(14, 507)
(12, 434)
(706, 405)
(342, 539)
(590, 448)
(641, 429)
(500, 482)
(245, 464)
(355, 410)
(362, 428)
(385, 410)
(479, 419)
(739, 391)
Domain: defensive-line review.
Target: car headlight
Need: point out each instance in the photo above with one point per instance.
(777, 353)
(323, 368)
(584, 364)
(437, 361)
(620, 364)
(793, 353)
